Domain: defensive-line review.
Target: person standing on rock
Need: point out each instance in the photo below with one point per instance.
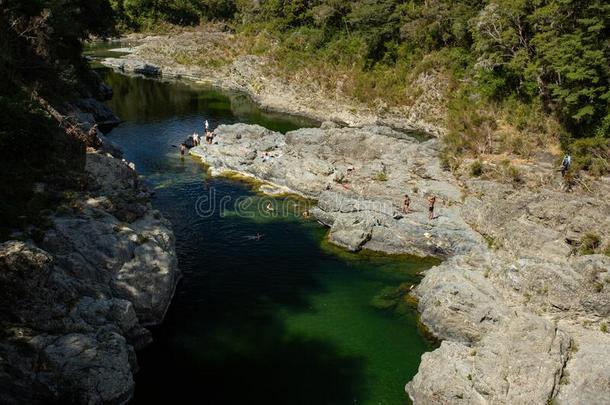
(405, 204)
(207, 126)
(565, 164)
(431, 202)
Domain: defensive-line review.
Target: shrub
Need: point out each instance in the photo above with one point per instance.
(589, 244)
(514, 174)
(476, 168)
(592, 154)
(382, 176)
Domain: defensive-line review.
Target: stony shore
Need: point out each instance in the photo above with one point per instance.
(522, 314)
(76, 302)
(254, 76)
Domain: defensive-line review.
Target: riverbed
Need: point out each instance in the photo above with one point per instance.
(267, 312)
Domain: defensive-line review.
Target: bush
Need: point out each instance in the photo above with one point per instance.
(470, 127)
(592, 154)
(476, 168)
(589, 244)
(382, 176)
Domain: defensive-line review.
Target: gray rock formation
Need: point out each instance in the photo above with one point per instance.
(520, 362)
(359, 177)
(133, 66)
(74, 306)
(520, 312)
(478, 302)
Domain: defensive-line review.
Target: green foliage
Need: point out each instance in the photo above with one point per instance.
(476, 168)
(470, 126)
(381, 176)
(589, 244)
(552, 50)
(592, 154)
(515, 62)
(146, 13)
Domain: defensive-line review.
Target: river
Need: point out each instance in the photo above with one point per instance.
(284, 319)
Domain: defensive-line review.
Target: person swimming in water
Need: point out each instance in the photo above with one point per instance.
(258, 236)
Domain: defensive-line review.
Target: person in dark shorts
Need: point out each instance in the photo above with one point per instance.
(405, 204)
(182, 149)
(431, 202)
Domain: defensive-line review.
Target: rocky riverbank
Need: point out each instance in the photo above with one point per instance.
(76, 298)
(519, 310)
(522, 302)
(188, 55)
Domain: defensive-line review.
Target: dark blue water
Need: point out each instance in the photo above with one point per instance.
(286, 319)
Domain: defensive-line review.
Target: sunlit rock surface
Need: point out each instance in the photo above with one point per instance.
(74, 306)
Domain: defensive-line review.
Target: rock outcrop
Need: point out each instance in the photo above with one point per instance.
(530, 307)
(133, 66)
(359, 177)
(519, 311)
(75, 304)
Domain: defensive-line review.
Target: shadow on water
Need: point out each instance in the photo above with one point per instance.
(142, 99)
(223, 340)
(280, 320)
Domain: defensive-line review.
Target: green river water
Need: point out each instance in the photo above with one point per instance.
(287, 319)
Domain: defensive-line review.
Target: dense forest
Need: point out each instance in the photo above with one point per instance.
(542, 65)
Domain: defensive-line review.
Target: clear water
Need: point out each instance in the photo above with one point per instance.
(286, 319)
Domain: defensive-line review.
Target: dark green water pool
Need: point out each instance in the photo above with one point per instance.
(282, 320)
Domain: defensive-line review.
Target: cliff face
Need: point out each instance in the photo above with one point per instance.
(75, 302)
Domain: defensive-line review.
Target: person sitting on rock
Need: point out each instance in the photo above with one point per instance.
(431, 202)
(93, 138)
(208, 137)
(405, 204)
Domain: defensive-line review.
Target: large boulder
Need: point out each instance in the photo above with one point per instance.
(73, 313)
(519, 362)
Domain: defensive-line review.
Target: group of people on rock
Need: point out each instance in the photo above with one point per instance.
(196, 140)
(431, 202)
